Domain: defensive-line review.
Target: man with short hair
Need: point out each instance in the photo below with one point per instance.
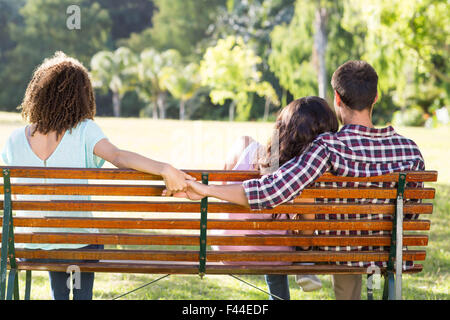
(357, 150)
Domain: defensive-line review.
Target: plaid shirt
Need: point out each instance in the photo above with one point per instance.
(355, 151)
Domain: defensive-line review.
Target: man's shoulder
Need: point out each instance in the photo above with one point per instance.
(405, 142)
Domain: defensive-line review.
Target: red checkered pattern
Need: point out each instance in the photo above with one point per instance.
(355, 151)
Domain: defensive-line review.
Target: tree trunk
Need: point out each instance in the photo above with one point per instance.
(283, 97)
(155, 109)
(182, 109)
(162, 105)
(116, 104)
(266, 109)
(231, 110)
(320, 46)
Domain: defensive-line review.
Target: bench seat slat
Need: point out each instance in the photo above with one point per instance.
(194, 207)
(162, 268)
(143, 190)
(139, 239)
(214, 175)
(215, 256)
(213, 224)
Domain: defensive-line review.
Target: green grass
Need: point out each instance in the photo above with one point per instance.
(203, 144)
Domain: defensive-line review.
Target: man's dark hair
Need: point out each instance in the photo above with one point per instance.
(356, 83)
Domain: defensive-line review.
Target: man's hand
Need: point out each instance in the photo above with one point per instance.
(194, 191)
(175, 180)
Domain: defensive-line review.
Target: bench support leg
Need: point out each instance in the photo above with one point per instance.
(27, 284)
(203, 230)
(393, 286)
(7, 239)
(13, 285)
(399, 250)
(389, 286)
(370, 287)
(4, 260)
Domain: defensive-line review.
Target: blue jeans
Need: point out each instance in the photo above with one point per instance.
(59, 280)
(278, 285)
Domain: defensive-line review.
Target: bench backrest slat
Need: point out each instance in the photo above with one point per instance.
(148, 191)
(363, 224)
(214, 175)
(193, 207)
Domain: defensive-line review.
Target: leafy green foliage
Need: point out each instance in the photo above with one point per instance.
(131, 16)
(407, 43)
(230, 70)
(293, 58)
(405, 40)
(180, 25)
(44, 32)
(150, 73)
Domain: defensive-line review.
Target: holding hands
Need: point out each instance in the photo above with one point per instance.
(194, 191)
(175, 180)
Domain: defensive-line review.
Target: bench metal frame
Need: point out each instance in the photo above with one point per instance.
(9, 284)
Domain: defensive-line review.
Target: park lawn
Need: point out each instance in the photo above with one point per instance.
(204, 144)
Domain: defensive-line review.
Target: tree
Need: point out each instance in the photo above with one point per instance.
(42, 33)
(254, 21)
(230, 70)
(150, 73)
(407, 43)
(182, 84)
(131, 16)
(113, 71)
(179, 25)
(9, 14)
(307, 50)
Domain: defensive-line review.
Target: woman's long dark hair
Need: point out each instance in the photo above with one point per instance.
(297, 125)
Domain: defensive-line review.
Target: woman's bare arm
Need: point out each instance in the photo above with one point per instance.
(175, 179)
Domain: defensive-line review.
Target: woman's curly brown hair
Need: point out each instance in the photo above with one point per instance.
(59, 96)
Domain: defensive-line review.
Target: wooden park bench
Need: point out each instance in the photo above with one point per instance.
(162, 227)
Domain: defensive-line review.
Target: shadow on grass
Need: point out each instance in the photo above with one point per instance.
(181, 287)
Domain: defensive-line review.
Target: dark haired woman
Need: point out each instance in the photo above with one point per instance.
(297, 125)
(59, 106)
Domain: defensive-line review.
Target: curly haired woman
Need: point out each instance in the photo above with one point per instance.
(59, 106)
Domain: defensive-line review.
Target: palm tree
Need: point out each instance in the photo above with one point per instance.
(150, 73)
(182, 84)
(112, 70)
